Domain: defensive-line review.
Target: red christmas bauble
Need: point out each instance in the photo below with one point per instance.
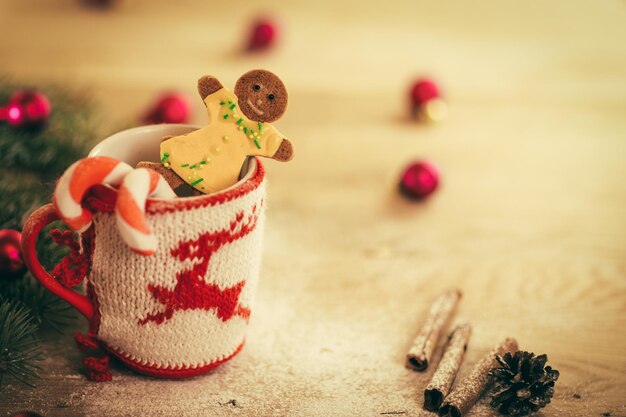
(419, 180)
(27, 108)
(423, 90)
(426, 101)
(262, 36)
(169, 108)
(11, 262)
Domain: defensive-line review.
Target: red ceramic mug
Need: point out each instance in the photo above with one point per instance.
(184, 310)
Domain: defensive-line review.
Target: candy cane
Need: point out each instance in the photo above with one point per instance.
(130, 208)
(75, 182)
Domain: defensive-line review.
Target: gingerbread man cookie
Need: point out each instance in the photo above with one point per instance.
(210, 159)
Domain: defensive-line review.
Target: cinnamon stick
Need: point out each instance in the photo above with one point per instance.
(425, 342)
(439, 386)
(466, 393)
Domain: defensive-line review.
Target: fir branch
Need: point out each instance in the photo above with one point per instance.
(47, 310)
(19, 197)
(49, 149)
(31, 159)
(19, 344)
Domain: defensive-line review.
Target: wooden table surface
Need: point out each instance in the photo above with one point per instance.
(530, 220)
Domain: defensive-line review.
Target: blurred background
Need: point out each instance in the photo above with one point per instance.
(528, 219)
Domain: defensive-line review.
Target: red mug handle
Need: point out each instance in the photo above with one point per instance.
(37, 221)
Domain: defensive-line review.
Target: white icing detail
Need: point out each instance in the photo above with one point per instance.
(257, 111)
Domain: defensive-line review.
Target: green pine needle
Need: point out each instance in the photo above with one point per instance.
(20, 196)
(47, 310)
(19, 344)
(31, 160)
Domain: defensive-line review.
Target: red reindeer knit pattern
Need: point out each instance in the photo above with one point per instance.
(193, 289)
(185, 309)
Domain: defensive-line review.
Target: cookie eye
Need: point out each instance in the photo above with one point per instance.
(270, 97)
(256, 87)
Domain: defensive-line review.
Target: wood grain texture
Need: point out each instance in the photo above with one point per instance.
(530, 221)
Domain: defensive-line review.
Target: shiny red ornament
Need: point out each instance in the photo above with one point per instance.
(426, 100)
(262, 36)
(423, 90)
(169, 108)
(11, 262)
(26, 108)
(419, 180)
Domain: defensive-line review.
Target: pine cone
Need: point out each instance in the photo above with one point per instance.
(523, 384)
